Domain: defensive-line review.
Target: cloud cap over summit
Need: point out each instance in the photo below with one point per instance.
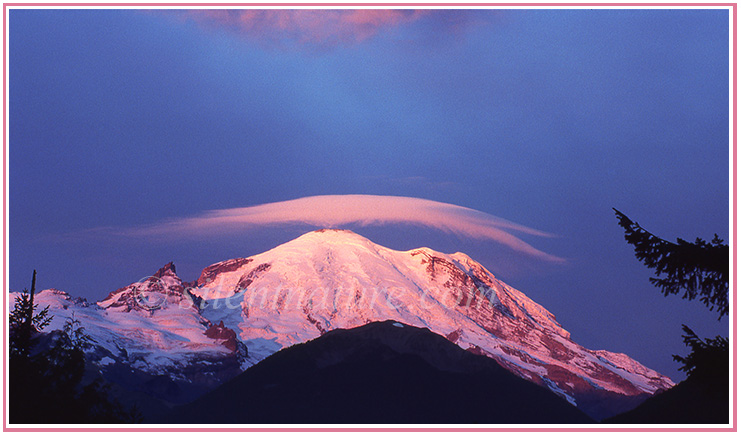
(340, 210)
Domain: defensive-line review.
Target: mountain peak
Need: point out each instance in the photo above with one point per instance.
(334, 231)
(337, 235)
(336, 279)
(322, 241)
(149, 293)
(168, 269)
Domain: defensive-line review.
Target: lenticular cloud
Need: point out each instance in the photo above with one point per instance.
(332, 211)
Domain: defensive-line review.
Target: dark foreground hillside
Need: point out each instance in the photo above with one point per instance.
(697, 400)
(383, 372)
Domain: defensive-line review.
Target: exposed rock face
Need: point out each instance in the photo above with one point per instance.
(226, 334)
(250, 277)
(167, 270)
(209, 273)
(151, 292)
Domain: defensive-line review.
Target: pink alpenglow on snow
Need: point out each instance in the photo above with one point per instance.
(242, 310)
(365, 210)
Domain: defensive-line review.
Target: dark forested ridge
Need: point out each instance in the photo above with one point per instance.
(380, 373)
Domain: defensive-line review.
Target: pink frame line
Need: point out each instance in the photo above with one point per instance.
(347, 5)
(734, 64)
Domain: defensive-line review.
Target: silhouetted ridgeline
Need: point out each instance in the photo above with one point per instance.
(382, 372)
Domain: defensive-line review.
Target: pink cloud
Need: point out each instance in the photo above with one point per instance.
(321, 27)
(337, 210)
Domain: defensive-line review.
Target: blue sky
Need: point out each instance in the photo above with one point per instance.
(547, 118)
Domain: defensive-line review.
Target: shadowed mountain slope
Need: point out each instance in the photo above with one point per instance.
(382, 372)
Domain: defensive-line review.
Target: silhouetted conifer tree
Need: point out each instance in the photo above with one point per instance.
(23, 324)
(708, 359)
(46, 383)
(698, 269)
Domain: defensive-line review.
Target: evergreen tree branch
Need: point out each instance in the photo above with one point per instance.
(696, 269)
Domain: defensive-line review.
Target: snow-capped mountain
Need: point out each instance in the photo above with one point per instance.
(331, 279)
(150, 337)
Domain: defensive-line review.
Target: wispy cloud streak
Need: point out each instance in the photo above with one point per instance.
(332, 211)
(321, 27)
(312, 26)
